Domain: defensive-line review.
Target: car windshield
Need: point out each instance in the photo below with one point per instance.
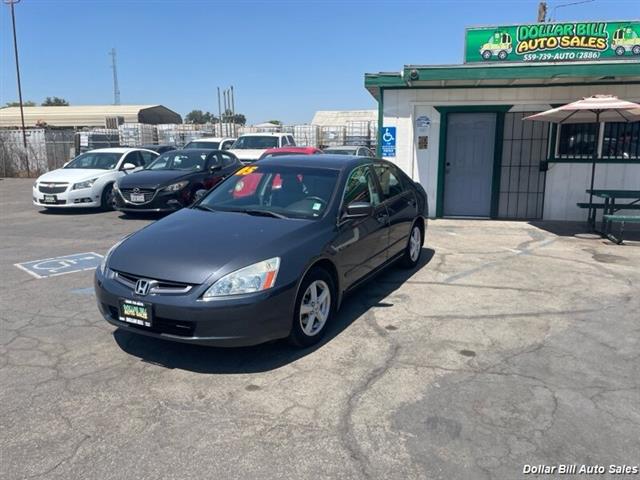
(275, 190)
(201, 144)
(179, 160)
(255, 142)
(96, 160)
(339, 151)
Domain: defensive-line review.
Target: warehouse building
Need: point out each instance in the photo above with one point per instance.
(459, 129)
(79, 116)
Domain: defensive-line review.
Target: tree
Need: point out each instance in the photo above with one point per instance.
(199, 117)
(229, 117)
(275, 122)
(28, 103)
(55, 102)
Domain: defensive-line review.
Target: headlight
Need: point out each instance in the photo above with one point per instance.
(85, 184)
(254, 278)
(176, 186)
(35, 184)
(103, 264)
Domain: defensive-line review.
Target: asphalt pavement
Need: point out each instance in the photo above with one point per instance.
(513, 344)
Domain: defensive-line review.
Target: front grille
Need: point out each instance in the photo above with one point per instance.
(148, 194)
(161, 325)
(52, 187)
(159, 287)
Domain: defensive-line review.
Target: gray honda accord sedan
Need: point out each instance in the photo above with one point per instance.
(268, 253)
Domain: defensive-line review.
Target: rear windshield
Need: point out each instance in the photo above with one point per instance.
(255, 142)
(179, 160)
(205, 145)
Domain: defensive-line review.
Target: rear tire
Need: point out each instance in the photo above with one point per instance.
(314, 308)
(108, 198)
(413, 250)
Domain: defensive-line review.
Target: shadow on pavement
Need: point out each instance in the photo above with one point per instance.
(581, 230)
(272, 355)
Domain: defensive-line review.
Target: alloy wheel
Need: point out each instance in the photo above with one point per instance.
(315, 307)
(414, 244)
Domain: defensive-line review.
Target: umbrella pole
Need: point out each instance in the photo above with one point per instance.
(592, 220)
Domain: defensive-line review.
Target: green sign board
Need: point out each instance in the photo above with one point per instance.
(554, 42)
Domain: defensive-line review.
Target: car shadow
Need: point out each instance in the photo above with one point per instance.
(70, 211)
(268, 356)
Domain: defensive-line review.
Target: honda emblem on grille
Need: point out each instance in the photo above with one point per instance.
(142, 287)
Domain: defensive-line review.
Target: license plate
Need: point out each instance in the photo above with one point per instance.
(133, 311)
(50, 199)
(137, 197)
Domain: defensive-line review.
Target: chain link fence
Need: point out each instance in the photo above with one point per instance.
(47, 149)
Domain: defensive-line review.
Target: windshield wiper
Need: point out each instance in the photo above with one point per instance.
(263, 213)
(205, 207)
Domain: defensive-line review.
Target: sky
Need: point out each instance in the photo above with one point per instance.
(285, 58)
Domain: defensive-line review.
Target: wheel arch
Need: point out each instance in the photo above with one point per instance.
(328, 265)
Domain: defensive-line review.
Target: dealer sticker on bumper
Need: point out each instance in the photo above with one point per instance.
(132, 311)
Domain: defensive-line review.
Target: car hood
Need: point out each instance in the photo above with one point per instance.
(190, 246)
(248, 154)
(72, 175)
(152, 178)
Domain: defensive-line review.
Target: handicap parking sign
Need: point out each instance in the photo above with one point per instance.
(388, 141)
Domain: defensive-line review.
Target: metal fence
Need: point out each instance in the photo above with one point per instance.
(46, 150)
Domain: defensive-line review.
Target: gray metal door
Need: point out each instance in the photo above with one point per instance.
(469, 164)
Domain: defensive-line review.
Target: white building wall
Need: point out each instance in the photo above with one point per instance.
(565, 183)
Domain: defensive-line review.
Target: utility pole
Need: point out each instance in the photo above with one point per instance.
(116, 89)
(542, 12)
(219, 113)
(233, 114)
(11, 3)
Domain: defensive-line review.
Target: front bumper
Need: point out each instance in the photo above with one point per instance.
(85, 198)
(159, 202)
(225, 322)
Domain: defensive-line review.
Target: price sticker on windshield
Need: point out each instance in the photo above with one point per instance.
(247, 170)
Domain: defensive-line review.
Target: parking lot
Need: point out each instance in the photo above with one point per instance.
(512, 344)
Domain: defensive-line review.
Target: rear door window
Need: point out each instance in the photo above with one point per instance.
(390, 180)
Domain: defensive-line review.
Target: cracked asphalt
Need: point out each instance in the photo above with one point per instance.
(512, 344)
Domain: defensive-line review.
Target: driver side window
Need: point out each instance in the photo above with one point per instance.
(361, 187)
(134, 158)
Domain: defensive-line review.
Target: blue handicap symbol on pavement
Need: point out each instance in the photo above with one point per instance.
(388, 143)
(50, 267)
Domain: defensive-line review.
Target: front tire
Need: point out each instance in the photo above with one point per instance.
(314, 308)
(620, 51)
(636, 50)
(502, 54)
(108, 199)
(413, 250)
(486, 55)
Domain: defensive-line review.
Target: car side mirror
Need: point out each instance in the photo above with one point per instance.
(358, 210)
(128, 166)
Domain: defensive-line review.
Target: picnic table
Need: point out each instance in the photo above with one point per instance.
(610, 207)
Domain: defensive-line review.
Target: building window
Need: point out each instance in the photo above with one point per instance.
(621, 140)
(576, 140)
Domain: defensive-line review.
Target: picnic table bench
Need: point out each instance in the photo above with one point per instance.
(610, 208)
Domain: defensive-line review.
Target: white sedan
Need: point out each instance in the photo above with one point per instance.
(87, 180)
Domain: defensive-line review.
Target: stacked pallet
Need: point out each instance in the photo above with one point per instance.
(332, 136)
(306, 135)
(357, 133)
(137, 134)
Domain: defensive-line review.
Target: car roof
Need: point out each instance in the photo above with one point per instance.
(317, 160)
(266, 134)
(211, 139)
(307, 150)
(116, 149)
(345, 147)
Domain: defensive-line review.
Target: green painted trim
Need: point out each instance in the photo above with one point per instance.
(497, 164)
(600, 160)
(380, 122)
(444, 111)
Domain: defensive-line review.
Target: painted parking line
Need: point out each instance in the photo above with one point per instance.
(51, 267)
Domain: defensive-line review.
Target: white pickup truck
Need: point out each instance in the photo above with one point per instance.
(250, 146)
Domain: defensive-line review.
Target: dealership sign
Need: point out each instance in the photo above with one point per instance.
(554, 42)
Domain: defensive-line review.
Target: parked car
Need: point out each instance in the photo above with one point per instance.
(88, 179)
(250, 146)
(273, 264)
(172, 181)
(165, 147)
(350, 150)
(213, 143)
(278, 152)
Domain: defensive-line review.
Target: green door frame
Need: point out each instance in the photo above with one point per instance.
(500, 111)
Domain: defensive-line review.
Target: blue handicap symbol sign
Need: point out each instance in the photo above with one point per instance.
(50, 267)
(388, 141)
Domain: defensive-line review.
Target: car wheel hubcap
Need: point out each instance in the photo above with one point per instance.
(315, 307)
(414, 244)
